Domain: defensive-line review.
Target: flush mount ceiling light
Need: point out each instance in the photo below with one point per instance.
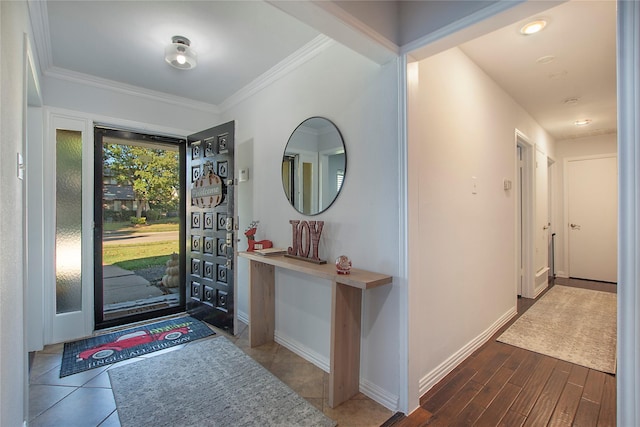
(179, 55)
(533, 27)
(582, 122)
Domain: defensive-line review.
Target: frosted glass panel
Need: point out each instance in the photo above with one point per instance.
(68, 221)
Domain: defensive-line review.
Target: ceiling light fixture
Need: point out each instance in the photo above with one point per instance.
(533, 27)
(546, 59)
(582, 122)
(179, 54)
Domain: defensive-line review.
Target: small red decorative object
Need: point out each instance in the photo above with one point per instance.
(260, 244)
(343, 265)
(251, 239)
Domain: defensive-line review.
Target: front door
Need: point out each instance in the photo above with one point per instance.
(138, 219)
(211, 226)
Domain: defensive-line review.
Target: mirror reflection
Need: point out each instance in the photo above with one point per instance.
(313, 166)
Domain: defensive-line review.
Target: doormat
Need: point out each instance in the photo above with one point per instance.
(208, 383)
(94, 352)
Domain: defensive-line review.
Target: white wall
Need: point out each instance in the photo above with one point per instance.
(565, 149)
(13, 357)
(360, 97)
(123, 108)
(462, 245)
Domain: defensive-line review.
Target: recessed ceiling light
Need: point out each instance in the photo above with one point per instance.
(558, 75)
(533, 27)
(546, 59)
(582, 122)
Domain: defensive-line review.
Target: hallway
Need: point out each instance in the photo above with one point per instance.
(502, 385)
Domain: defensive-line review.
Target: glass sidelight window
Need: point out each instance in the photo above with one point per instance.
(68, 221)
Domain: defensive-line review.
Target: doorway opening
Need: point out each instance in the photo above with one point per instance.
(524, 221)
(139, 221)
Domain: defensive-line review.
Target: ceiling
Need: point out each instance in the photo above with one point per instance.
(121, 43)
(564, 73)
(124, 41)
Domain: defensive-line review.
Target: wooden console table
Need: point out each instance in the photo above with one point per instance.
(346, 307)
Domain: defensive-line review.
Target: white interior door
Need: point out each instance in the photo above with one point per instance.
(541, 258)
(592, 207)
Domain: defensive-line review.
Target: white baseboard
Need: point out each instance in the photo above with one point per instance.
(243, 317)
(301, 350)
(539, 289)
(541, 282)
(383, 397)
(441, 371)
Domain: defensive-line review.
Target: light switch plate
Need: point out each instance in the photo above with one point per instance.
(243, 175)
(20, 166)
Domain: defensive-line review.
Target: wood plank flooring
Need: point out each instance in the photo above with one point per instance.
(502, 385)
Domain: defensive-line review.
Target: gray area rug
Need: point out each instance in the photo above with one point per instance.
(571, 324)
(207, 383)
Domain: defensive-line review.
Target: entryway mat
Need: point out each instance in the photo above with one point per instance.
(101, 350)
(208, 383)
(572, 324)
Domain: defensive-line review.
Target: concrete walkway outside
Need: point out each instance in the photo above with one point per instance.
(122, 285)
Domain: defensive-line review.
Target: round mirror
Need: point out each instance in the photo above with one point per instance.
(313, 166)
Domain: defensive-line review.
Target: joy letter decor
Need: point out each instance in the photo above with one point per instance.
(306, 237)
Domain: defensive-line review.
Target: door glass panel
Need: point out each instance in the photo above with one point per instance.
(141, 227)
(68, 221)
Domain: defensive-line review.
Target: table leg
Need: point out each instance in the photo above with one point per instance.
(262, 303)
(344, 375)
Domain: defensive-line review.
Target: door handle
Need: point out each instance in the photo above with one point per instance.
(575, 226)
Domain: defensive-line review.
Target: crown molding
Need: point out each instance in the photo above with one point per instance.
(40, 26)
(368, 32)
(42, 37)
(330, 19)
(284, 67)
(99, 82)
(42, 40)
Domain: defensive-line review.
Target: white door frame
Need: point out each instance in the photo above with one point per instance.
(33, 205)
(525, 192)
(541, 281)
(628, 57)
(68, 326)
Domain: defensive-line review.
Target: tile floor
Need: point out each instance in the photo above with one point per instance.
(85, 399)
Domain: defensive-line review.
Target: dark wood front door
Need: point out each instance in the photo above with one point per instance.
(211, 226)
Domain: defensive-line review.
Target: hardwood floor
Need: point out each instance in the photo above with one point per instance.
(502, 385)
